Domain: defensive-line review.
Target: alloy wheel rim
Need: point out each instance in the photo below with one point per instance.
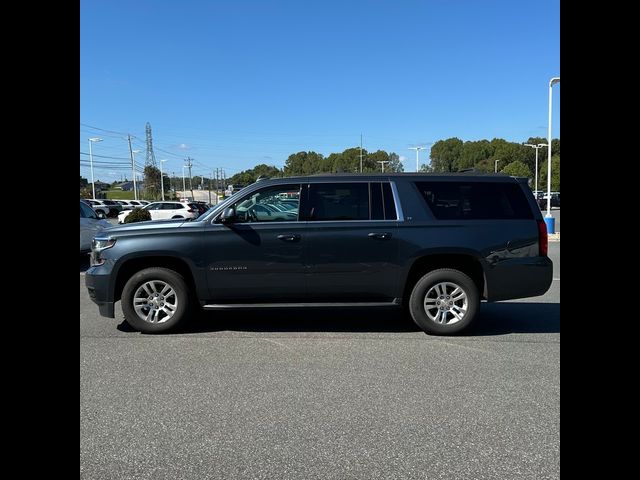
(446, 303)
(155, 301)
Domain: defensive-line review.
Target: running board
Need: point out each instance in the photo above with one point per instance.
(233, 306)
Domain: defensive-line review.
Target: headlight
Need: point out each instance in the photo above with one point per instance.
(98, 245)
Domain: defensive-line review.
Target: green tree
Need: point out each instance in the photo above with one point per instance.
(555, 174)
(83, 182)
(517, 169)
(304, 163)
(247, 177)
(151, 182)
(445, 155)
(394, 165)
(473, 153)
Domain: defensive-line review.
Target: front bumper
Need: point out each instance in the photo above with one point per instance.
(98, 288)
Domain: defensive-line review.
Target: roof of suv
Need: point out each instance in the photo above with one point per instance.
(466, 175)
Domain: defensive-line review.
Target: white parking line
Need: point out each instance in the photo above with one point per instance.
(557, 279)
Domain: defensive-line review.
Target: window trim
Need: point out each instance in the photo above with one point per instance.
(304, 190)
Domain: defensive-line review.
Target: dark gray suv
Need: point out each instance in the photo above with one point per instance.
(435, 244)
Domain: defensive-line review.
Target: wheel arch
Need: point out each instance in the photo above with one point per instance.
(463, 262)
(133, 265)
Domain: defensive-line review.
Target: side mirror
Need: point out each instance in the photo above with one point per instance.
(229, 215)
(101, 215)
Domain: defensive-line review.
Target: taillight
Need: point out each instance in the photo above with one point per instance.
(543, 240)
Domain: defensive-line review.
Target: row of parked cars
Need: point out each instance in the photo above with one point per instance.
(170, 210)
(93, 214)
(542, 196)
(111, 208)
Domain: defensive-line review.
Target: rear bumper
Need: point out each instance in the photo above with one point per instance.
(98, 288)
(519, 278)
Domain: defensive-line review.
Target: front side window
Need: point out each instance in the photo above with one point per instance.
(280, 203)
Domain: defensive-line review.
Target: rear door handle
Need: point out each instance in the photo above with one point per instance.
(289, 237)
(380, 235)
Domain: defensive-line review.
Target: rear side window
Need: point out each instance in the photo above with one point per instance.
(475, 200)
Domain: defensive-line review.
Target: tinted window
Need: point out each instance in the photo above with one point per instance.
(383, 206)
(338, 201)
(475, 201)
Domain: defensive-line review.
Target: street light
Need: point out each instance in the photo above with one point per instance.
(548, 218)
(496, 167)
(382, 162)
(417, 149)
(93, 185)
(133, 168)
(162, 179)
(537, 147)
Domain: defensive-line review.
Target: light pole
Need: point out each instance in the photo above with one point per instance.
(162, 179)
(382, 162)
(548, 218)
(93, 185)
(537, 147)
(496, 167)
(133, 168)
(417, 149)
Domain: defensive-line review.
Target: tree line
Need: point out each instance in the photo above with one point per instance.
(450, 155)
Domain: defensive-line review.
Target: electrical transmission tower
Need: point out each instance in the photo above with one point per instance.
(151, 158)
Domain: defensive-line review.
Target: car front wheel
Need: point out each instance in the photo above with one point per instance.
(444, 301)
(155, 300)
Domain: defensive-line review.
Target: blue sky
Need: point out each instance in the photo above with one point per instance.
(236, 83)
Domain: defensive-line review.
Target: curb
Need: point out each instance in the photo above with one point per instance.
(554, 237)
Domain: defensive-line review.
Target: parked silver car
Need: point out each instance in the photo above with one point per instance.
(90, 224)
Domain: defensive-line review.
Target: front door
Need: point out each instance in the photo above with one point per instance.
(260, 257)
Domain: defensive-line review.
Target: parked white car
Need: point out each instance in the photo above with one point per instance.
(90, 224)
(165, 211)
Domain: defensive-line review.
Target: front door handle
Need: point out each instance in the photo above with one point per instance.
(380, 235)
(289, 237)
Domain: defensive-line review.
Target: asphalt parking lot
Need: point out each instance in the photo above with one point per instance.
(327, 394)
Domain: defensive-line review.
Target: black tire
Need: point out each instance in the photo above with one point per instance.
(180, 297)
(444, 281)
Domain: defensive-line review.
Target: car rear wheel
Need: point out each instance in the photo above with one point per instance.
(444, 301)
(155, 300)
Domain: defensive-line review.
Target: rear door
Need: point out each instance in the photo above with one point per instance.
(352, 242)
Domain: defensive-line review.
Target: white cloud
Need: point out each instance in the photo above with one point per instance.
(402, 158)
(183, 146)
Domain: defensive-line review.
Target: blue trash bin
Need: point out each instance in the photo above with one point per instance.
(551, 224)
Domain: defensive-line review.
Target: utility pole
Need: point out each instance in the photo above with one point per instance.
(217, 187)
(133, 169)
(417, 149)
(189, 165)
(210, 188)
(383, 162)
(360, 153)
